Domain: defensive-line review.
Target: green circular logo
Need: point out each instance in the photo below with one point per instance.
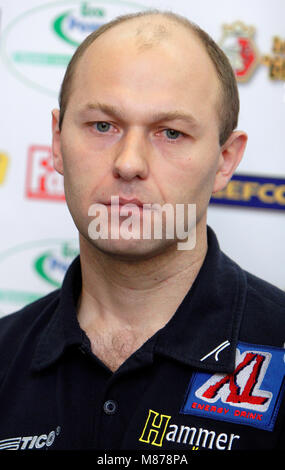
(38, 44)
(33, 269)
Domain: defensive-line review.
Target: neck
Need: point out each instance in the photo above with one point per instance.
(140, 295)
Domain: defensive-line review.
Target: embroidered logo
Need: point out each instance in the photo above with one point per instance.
(250, 395)
(30, 442)
(155, 428)
(217, 351)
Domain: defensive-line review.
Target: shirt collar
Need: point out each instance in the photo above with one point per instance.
(202, 333)
(63, 329)
(205, 328)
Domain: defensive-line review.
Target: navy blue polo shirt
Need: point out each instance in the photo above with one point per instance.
(211, 379)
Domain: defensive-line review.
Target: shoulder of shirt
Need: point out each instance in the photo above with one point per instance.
(266, 291)
(24, 325)
(27, 314)
(258, 288)
(263, 319)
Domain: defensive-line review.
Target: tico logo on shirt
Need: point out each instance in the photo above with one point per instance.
(250, 395)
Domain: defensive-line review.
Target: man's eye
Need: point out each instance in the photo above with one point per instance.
(172, 134)
(102, 126)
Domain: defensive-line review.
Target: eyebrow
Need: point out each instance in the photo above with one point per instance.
(156, 117)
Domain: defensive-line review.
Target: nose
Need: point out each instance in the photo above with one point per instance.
(131, 158)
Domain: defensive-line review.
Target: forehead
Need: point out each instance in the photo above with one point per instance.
(152, 55)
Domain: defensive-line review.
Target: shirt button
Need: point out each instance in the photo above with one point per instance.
(110, 407)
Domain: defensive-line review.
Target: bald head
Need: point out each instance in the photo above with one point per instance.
(141, 33)
(144, 31)
(147, 31)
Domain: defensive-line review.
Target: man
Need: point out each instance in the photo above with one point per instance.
(146, 346)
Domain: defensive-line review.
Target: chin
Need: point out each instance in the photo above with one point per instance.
(133, 250)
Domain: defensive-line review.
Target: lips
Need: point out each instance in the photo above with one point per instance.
(122, 201)
(135, 201)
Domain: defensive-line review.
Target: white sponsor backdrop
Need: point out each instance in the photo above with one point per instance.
(38, 237)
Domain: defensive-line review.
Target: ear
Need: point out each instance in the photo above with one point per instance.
(56, 145)
(230, 156)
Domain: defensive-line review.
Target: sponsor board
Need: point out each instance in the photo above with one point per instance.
(238, 43)
(32, 270)
(55, 30)
(4, 161)
(276, 61)
(42, 180)
(259, 192)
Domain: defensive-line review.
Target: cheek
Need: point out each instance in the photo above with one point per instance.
(84, 168)
(189, 180)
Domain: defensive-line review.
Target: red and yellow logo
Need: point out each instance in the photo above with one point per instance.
(238, 44)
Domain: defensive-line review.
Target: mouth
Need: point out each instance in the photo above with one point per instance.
(120, 201)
